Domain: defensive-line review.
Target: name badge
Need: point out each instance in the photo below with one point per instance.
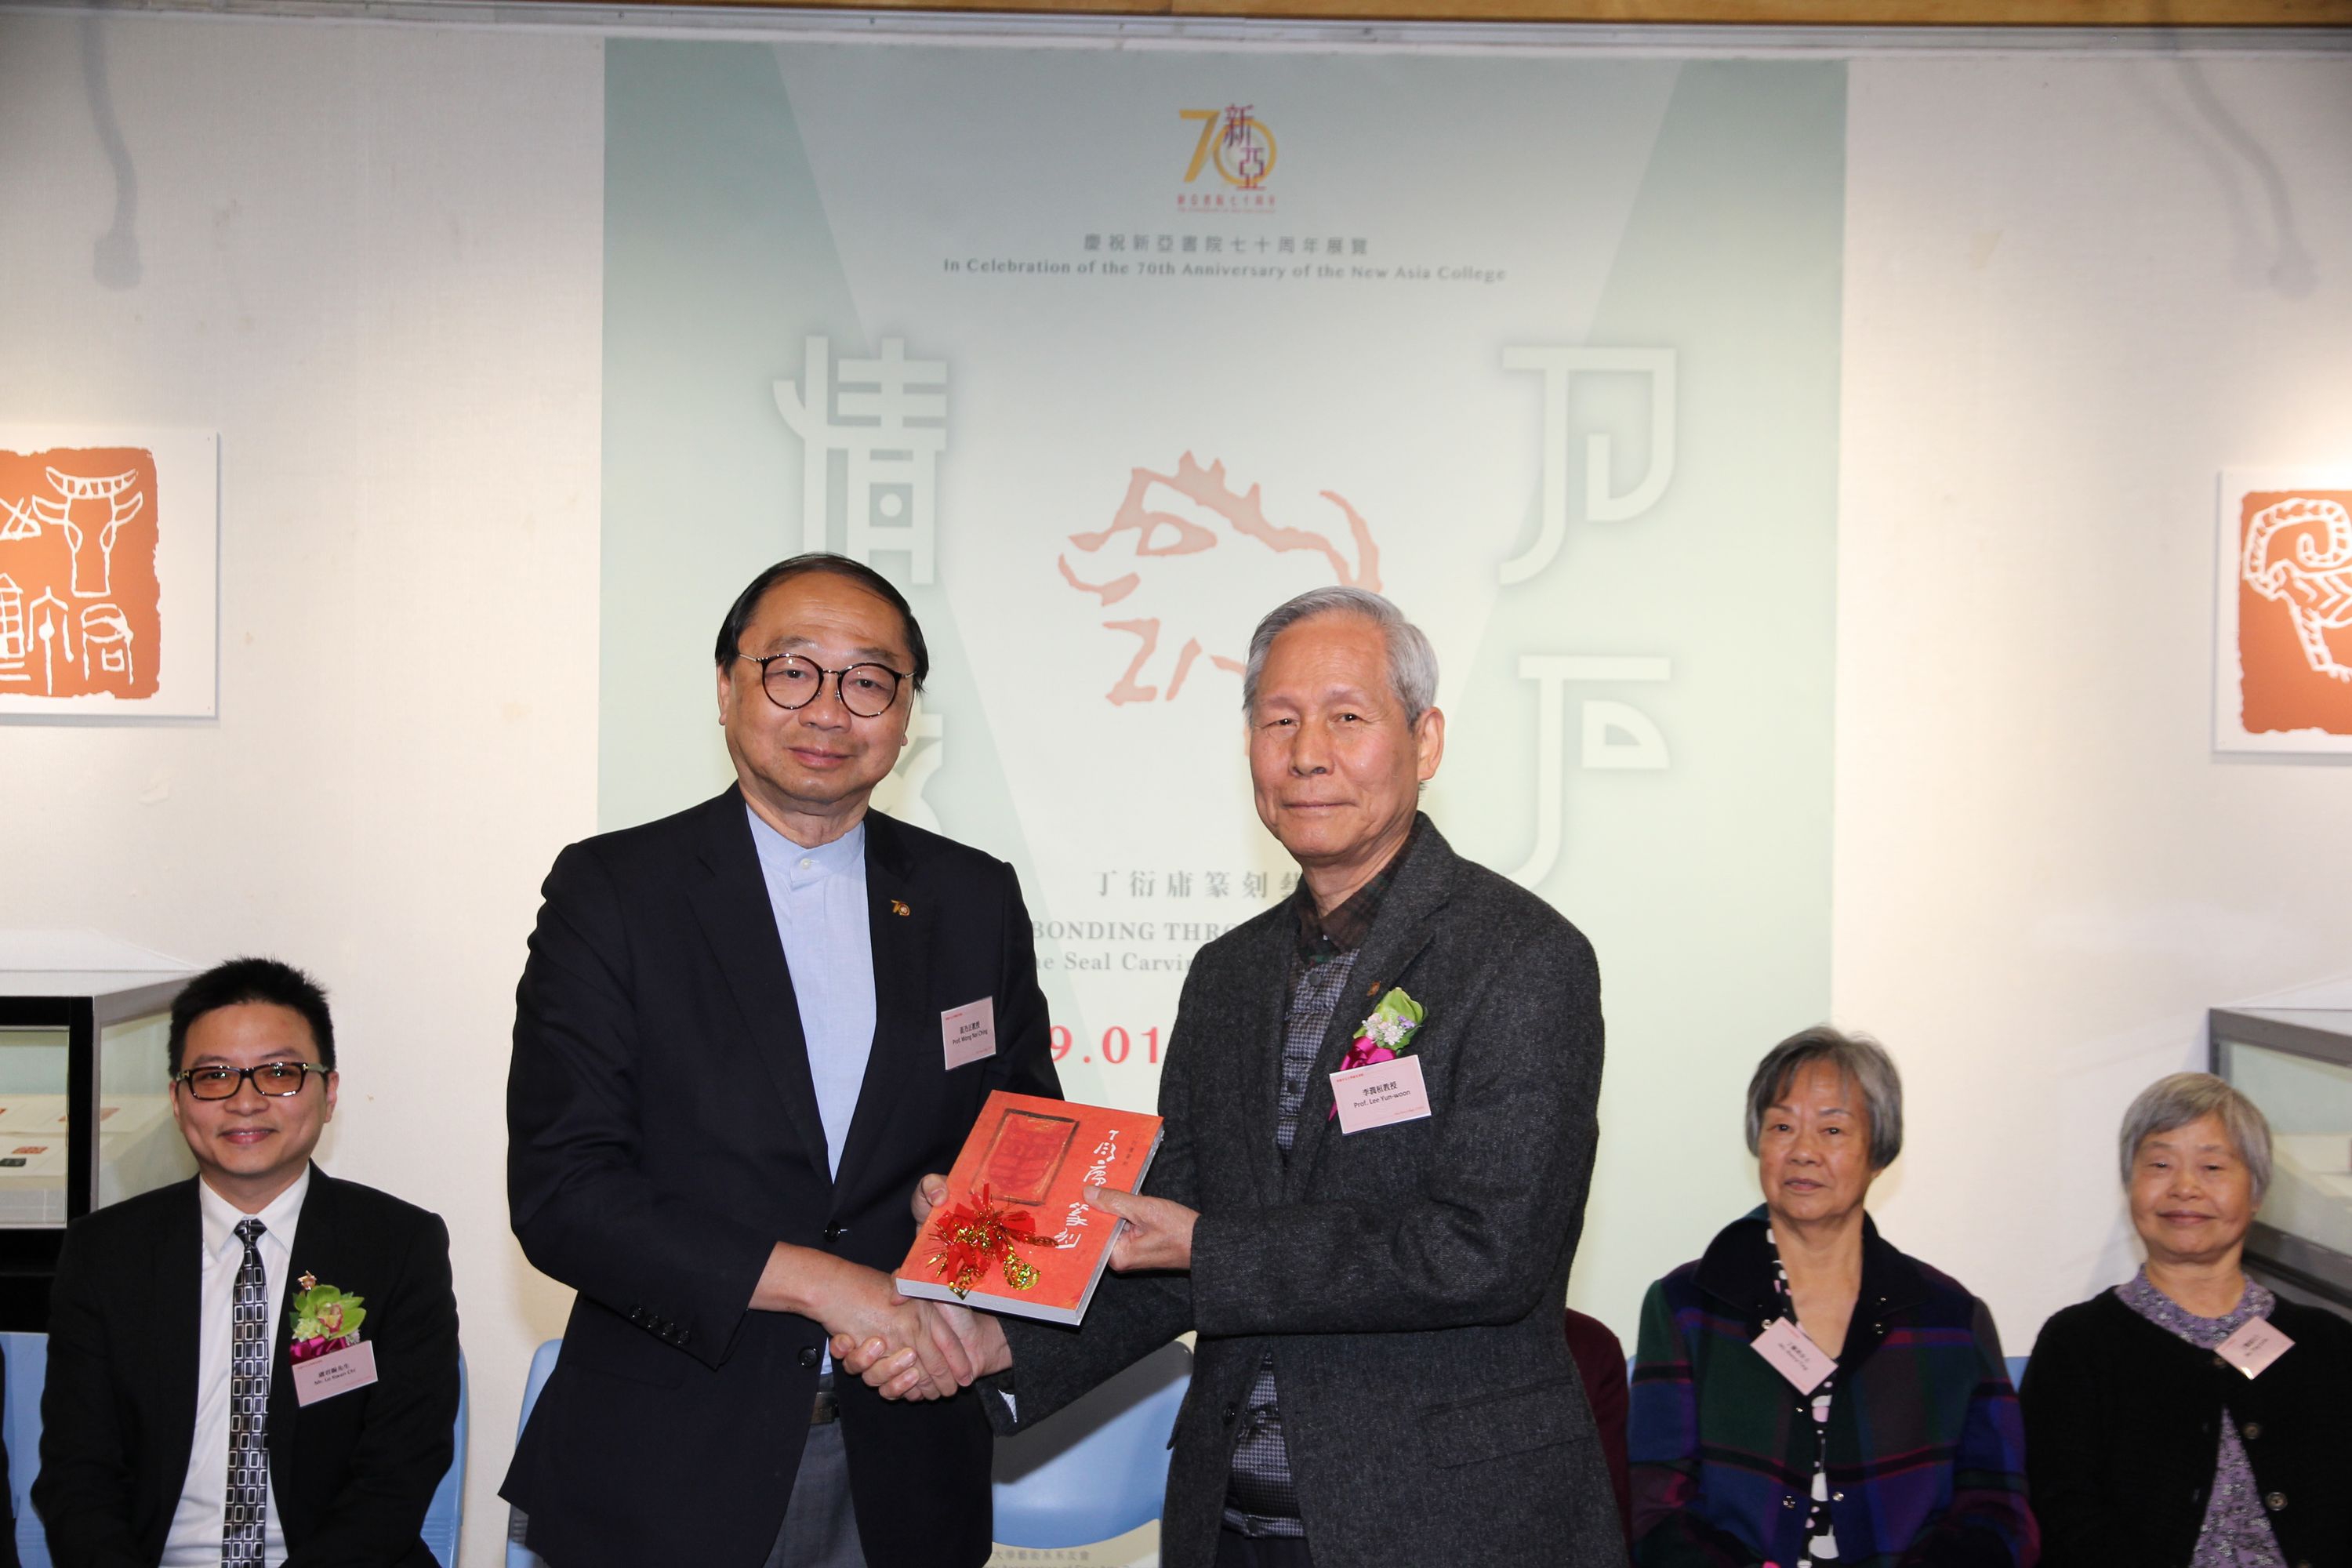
(2253, 1347)
(968, 1032)
(1794, 1355)
(1380, 1095)
(337, 1371)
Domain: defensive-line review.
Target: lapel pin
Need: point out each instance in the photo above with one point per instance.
(1373, 989)
(897, 908)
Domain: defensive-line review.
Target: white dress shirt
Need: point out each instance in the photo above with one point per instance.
(195, 1538)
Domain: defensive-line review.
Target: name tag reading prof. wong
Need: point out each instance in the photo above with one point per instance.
(2254, 1346)
(1380, 1095)
(1794, 1355)
(337, 1371)
(968, 1032)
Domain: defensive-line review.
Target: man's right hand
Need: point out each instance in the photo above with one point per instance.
(860, 1303)
(935, 1363)
(895, 1367)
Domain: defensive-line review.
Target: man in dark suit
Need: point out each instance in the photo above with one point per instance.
(260, 1365)
(731, 1063)
(1380, 1377)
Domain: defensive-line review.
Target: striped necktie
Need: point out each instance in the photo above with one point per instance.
(248, 1409)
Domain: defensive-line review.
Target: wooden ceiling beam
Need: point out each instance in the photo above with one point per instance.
(2033, 14)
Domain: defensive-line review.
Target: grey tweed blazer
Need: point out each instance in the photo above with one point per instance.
(1408, 1279)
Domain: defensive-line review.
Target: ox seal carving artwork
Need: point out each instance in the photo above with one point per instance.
(1221, 331)
(107, 549)
(2283, 612)
(1159, 532)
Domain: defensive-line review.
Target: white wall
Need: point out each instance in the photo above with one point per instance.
(2075, 289)
(371, 259)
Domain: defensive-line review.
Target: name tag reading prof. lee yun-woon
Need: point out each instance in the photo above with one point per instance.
(1380, 1095)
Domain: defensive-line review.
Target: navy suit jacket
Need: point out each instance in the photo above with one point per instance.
(664, 1135)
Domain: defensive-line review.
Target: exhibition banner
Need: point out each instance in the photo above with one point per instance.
(1101, 353)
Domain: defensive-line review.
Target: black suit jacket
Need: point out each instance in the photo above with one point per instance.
(1407, 1280)
(353, 1474)
(2123, 1429)
(664, 1135)
(9, 1558)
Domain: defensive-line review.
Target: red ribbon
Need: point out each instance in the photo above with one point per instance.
(974, 1235)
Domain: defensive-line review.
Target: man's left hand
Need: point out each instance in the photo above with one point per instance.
(1158, 1233)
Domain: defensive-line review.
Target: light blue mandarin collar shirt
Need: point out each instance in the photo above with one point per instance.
(819, 899)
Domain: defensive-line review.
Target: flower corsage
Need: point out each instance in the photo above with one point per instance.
(1385, 1035)
(325, 1319)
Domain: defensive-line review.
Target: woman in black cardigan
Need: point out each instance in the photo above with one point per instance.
(2154, 1436)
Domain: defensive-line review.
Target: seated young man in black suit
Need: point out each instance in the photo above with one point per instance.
(257, 1366)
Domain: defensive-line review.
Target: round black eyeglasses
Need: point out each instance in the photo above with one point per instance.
(275, 1079)
(792, 681)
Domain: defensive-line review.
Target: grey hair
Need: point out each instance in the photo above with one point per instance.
(1413, 663)
(1862, 1061)
(2185, 1096)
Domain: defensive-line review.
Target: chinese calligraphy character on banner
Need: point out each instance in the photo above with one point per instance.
(888, 416)
(1611, 733)
(1602, 501)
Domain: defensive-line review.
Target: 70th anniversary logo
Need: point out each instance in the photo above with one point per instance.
(1237, 144)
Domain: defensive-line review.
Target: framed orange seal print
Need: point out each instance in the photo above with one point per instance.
(109, 541)
(2283, 612)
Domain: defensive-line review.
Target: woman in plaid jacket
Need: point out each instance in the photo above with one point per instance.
(1804, 1394)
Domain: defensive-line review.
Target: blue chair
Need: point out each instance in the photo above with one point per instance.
(448, 1510)
(1097, 1471)
(20, 1425)
(542, 1362)
(1098, 1468)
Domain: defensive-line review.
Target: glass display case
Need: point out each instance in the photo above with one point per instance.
(2295, 1063)
(85, 1096)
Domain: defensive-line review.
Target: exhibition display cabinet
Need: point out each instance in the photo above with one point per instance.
(2295, 1063)
(85, 1096)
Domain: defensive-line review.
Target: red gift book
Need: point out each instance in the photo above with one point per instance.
(1015, 1233)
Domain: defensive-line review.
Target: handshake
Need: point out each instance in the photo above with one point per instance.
(930, 1350)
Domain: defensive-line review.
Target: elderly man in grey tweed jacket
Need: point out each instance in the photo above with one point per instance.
(1381, 1374)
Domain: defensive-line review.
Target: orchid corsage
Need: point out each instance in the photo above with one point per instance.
(1385, 1035)
(325, 1319)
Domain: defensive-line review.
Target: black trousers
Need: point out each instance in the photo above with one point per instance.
(1236, 1550)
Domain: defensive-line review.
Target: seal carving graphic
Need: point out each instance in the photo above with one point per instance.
(1150, 535)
